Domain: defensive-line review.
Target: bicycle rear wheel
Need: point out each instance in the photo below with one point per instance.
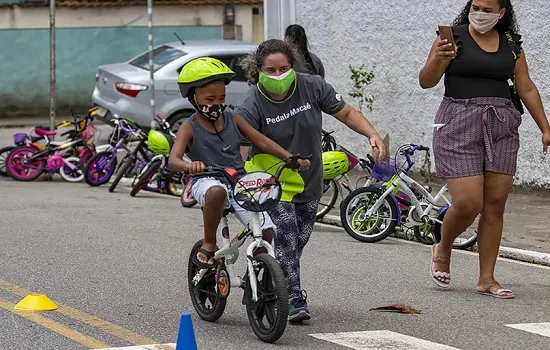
(268, 315)
(4, 153)
(328, 201)
(465, 240)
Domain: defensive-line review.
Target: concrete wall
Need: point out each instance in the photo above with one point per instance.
(87, 38)
(396, 38)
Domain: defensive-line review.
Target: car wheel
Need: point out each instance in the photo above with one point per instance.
(177, 119)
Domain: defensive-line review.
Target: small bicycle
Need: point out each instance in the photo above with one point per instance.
(156, 175)
(30, 160)
(370, 214)
(265, 288)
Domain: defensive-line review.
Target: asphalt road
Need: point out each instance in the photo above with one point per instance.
(116, 266)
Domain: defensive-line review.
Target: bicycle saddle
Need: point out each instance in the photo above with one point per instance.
(42, 132)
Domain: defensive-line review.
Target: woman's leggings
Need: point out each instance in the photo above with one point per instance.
(294, 225)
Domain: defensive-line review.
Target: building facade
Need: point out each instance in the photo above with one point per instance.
(393, 39)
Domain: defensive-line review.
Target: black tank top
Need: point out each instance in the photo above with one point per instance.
(477, 73)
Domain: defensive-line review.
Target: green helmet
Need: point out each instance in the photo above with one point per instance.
(335, 163)
(159, 143)
(201, 71)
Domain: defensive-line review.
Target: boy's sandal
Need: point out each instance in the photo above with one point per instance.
(208, 255)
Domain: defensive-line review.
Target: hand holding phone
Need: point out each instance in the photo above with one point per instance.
(446, 48)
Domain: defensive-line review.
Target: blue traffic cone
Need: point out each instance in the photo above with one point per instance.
(186, 334)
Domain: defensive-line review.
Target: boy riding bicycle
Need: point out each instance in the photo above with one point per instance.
(213, 137)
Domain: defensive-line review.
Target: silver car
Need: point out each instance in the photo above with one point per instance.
(124, 88)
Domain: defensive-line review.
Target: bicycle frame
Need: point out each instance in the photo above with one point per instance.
(404, 183)
(230, 251)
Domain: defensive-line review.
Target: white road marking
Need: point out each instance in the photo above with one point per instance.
(379, 340)
(542, 328)
(169, 346)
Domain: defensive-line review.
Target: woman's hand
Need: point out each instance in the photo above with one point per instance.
(304, 164)
(545, 141)
(378, 147)
(444, 51)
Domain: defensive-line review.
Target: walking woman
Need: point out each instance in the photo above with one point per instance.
(476, 137)
(287, 107)
(312, 64)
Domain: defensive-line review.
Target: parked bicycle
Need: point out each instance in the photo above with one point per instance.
(31, 159)
(265, 288)
(101, 167)
(337, 163)
(156, 175)
(370, 214)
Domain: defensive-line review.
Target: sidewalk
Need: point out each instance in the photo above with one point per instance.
(526, 219)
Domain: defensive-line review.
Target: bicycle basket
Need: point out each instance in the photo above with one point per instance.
(20, 138)
(384, 170)
(88, 132)
(257, 191)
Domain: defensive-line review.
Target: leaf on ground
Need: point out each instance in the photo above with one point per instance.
(402, 308)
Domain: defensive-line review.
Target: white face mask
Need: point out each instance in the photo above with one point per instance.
(482, 22)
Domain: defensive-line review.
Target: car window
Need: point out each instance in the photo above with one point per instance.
(233, 62)
(161, 56)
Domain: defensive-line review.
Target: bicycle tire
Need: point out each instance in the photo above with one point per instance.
(209, 279)
(68, 177)
(40, 161)
(144, 178)
(173, 177)
(93, 159)
(122, 170)
(332, 201)
(186, 199)
(377, 192)
(273, 269)
(4, 153)
(467, 244)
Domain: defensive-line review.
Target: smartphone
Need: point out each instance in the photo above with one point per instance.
(446, 32)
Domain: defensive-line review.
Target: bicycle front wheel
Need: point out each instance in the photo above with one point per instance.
(268, 315)
(365, 228)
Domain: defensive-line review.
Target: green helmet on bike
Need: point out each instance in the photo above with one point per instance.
(335, 163)
(159, 143)
(201, 71)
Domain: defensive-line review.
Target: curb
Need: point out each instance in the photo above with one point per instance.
(527, 256)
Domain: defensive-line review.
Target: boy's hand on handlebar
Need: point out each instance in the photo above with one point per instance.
(378, 147)
(196, 167)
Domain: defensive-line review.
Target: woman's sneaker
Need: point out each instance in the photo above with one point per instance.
(297, 309)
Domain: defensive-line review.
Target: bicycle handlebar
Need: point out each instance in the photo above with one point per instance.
(290, 162)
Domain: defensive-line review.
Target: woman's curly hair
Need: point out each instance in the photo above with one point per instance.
(252, 63)
(506, 23)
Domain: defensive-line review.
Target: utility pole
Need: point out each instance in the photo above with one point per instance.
(151, 68)
(52, 64)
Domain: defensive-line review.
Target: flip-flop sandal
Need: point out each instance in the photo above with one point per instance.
(208, 255)
(437, 275)
(497, 294)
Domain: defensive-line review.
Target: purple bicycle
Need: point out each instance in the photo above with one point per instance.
(101, 167)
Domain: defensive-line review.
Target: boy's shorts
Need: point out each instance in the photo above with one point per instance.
(202, 185)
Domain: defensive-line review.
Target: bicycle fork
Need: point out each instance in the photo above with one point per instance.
(258, 242)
